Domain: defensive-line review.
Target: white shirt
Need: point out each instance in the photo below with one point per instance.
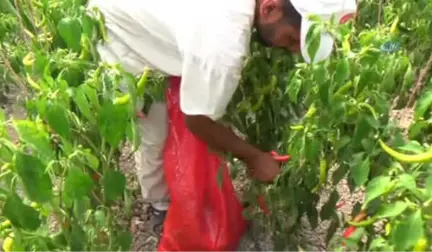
(203, 41)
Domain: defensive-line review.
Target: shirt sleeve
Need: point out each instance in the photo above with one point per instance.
(212, 63)
(207, 89)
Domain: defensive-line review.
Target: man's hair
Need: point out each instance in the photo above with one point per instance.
(291, 16)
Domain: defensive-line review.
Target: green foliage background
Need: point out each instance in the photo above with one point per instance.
(325, 115)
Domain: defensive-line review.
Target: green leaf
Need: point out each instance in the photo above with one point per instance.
(376, 187)
(313, 40)
(312, 148)
(406, 233)
(77, 184)
(312, 214)
(35, 137)
(114, 184)
(407, 181)
(220, 176)
(36, 182)
(378, 243)
(429, 185)
(423, 104)
(2, 116)
(70, 30)
(339, 174)
(329, 207)
(361, 131)
(360, 172)
(125, 240)
(355, 237)
(88, 25)
(417, 128)
(342, 142)
(388, 83)
(100, 218)
(90, 159)
(293, 89)
(133, 134)
(83, 104)
(413, 146)
(332, 230)
(372, 121)
(81, 207)
(408, 79)
(77, 238)
(112, 122)
(324, 89)
(342, 71)
(391, 210)
(21, 215)
(128, 203)
(56, 116)
(91, 95)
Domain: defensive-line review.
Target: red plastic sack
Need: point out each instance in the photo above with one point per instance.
(203, 215)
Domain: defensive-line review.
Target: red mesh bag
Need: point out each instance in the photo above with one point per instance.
(204, 215)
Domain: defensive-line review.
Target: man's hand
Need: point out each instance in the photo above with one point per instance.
(263, 167)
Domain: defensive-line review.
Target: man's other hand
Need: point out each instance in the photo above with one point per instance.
(264, 167)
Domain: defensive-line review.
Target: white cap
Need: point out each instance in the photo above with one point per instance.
(342, 10)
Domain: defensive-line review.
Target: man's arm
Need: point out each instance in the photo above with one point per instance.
(221, 138)
(260, 164)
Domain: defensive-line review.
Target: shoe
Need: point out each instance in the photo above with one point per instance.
(157, 218)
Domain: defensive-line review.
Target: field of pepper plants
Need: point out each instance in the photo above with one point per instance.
(362, 116)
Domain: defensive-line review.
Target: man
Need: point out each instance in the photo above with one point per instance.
(204, 42)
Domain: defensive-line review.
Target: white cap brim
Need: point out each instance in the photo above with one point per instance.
(325, 9)
(325, 48)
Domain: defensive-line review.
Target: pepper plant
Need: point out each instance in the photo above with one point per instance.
(61, 178)
(336, 114)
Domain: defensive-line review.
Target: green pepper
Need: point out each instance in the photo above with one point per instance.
(362, 223)
(416, 158)
(311, 111)
(85, 51)
(344, 88)
(32, 83)
(124, 99)
(142, 82)
(5, 224)
(42, 22)
(369, 107)
(29, 59)
(323, 174)
(297, 127)
(420, 245)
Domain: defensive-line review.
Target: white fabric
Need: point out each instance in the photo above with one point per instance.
(325, 9)
(149, 157)
(202, 41)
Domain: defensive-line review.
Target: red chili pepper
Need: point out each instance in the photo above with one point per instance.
(348, 232)
(340, 204)
(351, 229)
(280, 158)
(262, 205)
(261, 202)
(95, 176)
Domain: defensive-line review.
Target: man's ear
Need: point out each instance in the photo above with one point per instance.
(270, 10)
